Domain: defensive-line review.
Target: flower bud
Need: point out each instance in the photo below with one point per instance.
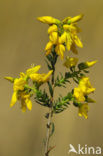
(70, 61)
(11, 79)
(48, 20)
(90, 64)
(75, 19)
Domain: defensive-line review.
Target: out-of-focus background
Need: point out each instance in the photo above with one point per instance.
(22, 42)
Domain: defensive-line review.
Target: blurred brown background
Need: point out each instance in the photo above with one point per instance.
(22, 42)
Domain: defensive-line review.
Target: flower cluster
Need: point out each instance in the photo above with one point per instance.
(62, 34)
(21, 88)
(84, 88)
(80, 93)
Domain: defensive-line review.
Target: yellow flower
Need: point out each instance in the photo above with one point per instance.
(69, 41)
(75, 19)
(62, 34)
(77, 41)
(47, 76)
(60, 49)
(41, 78)
(19, 92)
(70, 61)
(24, 98)
(25, 101)
(71, 37)
(83, 110)
(58, 42)
(52, 28)
(53, 37)
(90, 64)
(23, 75)
(48, 48)
(79, 95)
(63, 38)
(19, 84)
(86, 86)
(72, 28)
(20, 88)
(48, 20)
(32, 70)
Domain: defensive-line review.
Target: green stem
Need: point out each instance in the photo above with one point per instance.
(50, 115)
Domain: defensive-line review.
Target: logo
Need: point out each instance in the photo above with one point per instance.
(84, 149)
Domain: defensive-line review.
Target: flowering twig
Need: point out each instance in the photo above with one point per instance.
(63, 35)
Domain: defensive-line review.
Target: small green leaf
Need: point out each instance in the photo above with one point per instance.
(86, 71)
(82, 66)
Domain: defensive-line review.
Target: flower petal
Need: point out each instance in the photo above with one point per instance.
(49, 46)
(52, 28)
(28, 103)
(53, 37)
(14, 99)
(83, 110)
(78, 41)
(60, 49)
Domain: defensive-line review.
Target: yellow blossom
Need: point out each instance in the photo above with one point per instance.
(19, 84)
(70, 20)
(63, 38)
(25, 101)
(41, 78)
(48, 20)
(47, 76)
(83, 110)
(48, 48)
(24, 98)
(86, 86)
(58, 42)
(60, 49)
(75, 19)
(90, 64)
(32, 70)
(71, 37)
(52, 28)
(62, 34)
(19, 93)
(77, 41)
(23, 75)
(79, 95)
(69, 41)
(70, 61)
(53, 37)
(71, 27)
